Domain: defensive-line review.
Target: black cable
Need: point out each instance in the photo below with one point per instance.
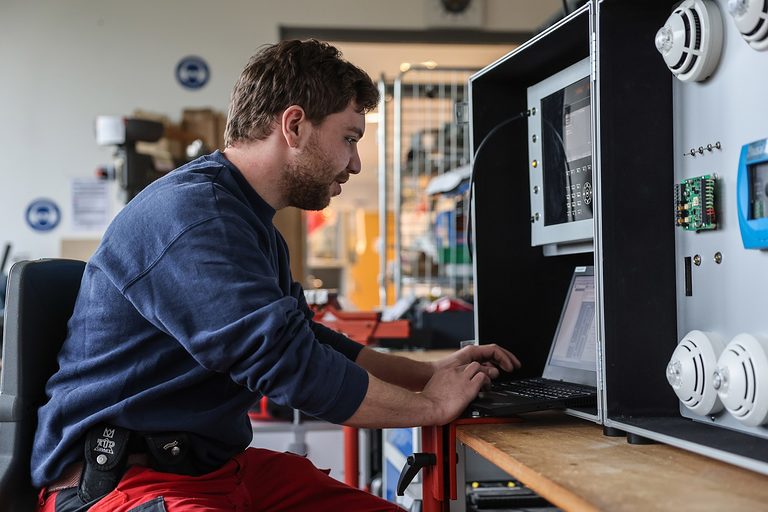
(487, 137)
(565, 8)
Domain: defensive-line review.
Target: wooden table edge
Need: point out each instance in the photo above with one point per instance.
(544, 487)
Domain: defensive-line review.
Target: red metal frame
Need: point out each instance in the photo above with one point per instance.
(259, 410)
(438, 440)
(351, 457)
(361, 326)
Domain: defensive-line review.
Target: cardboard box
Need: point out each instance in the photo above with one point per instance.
(206, 124)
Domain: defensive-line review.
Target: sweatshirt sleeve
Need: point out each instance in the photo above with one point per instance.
(216, 290)
(350, 348)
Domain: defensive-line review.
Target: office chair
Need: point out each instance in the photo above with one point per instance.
(40, 299)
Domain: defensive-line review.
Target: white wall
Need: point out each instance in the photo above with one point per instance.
(66, 61)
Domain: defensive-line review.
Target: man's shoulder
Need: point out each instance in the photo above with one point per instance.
(188, 197)
(186, 194)
(196, 177)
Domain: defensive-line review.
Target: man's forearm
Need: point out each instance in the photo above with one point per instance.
(444, 398)
(397, 370)
(386, 406)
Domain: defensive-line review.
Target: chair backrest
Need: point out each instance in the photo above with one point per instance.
(40, 299)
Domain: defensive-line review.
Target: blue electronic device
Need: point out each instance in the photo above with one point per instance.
(752, 190)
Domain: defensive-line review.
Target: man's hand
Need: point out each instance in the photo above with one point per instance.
(447, 386)
(459, 377)
(452, 388)
(491, 358)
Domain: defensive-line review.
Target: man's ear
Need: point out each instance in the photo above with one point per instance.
(293, 124)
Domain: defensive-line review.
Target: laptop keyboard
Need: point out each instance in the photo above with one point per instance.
(540, 388)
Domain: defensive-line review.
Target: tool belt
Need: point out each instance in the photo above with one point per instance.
(109, 450)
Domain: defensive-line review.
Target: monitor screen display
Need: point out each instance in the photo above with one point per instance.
(567, 154)
(560, 155)
(576, 338)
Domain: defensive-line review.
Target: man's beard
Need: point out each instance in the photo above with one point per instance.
(306, 184)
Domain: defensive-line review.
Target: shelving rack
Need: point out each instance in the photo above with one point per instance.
(430, 256)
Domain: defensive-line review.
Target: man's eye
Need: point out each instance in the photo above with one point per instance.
(351, 140)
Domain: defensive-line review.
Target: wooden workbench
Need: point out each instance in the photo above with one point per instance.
(570, 462)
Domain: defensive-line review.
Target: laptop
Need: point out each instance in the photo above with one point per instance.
(569, 379)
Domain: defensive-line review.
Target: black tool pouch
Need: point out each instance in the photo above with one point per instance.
(171, 452)
(106, 453)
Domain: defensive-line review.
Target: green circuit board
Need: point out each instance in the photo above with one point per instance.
(695, 203)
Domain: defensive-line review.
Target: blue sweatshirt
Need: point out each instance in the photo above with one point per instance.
(186, 315)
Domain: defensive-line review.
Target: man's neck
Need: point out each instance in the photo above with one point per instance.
(261, 165)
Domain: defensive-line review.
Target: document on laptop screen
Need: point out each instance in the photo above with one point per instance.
(576, 338)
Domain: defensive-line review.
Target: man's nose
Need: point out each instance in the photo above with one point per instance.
(354, 166)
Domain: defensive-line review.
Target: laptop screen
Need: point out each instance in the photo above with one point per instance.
(573, 355)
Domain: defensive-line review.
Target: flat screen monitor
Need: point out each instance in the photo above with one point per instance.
(560, 150)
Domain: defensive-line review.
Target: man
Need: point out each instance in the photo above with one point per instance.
(187, 313)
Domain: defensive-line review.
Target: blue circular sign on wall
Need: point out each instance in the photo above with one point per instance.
(43, 215)
(192, 72)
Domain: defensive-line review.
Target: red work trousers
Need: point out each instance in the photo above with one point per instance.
(255, 480)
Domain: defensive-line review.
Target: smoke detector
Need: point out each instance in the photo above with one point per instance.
(741, 379)
(691, 40)
(751, 18)
(690, 370)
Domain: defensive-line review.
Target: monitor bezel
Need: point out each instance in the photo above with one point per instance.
(570, 232)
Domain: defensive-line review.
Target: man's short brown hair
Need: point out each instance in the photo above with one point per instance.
(310, 74)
